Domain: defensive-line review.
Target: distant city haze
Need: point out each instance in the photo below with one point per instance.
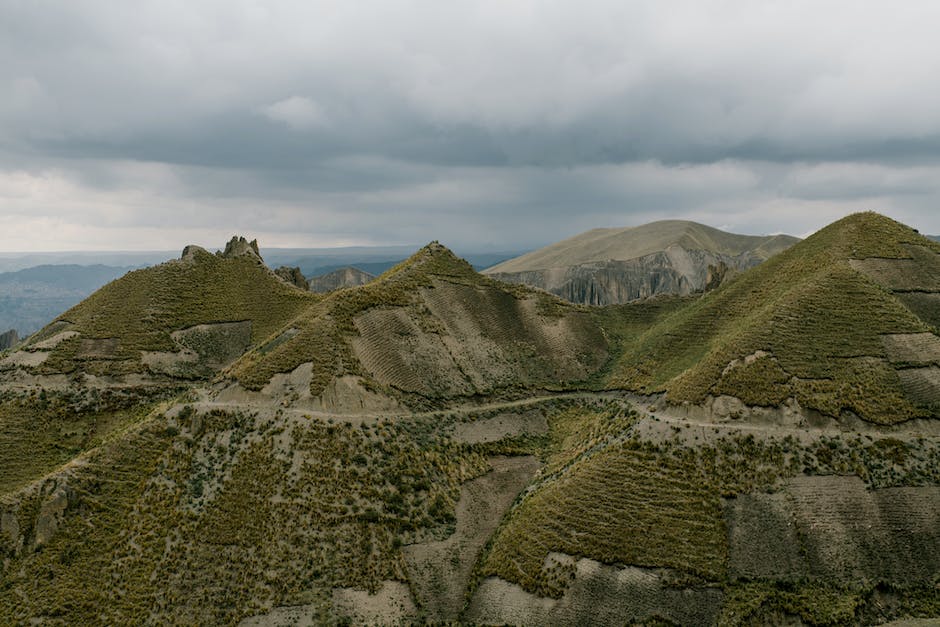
(487, 125)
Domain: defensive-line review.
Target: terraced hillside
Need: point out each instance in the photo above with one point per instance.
(841, 323)
(429, 331)
(619, 265)
(438, 447)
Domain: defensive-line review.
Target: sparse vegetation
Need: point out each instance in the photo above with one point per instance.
(818, 320)
(139, 311)
(164, 503)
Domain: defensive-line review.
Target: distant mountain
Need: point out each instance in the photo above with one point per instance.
(343, 277)
(935, 238)
(9, 339)
(610, 266)
(202, 442)
(32, 297)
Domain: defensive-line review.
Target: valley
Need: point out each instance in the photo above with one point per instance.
(205, 442)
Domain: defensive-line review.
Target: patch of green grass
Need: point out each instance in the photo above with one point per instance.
(212, 517)
(142, 308)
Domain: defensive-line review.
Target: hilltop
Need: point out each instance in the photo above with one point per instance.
(183, 318)
(429, 330)
(841, 323)
(618, 265)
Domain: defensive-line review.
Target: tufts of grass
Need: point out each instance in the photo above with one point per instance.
(816, 320)
(138, 311)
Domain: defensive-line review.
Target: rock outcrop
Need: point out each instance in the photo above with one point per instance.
(9, 339)
(239, 246)
(344, 277)
(191, 251)
(293, 276)
(611, 266)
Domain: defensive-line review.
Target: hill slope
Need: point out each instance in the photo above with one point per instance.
(185, 318)
(434, 329)
(841, 322)
(425, 449)
(608, 266)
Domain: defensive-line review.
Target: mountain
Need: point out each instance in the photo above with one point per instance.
(432, 329)
(343, 277)
(293, 276)
(439, 447)
(618, 265)
(842, 323)
(182, 318)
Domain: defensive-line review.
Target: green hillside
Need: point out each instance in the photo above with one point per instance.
(433, 329)
(439, 447)
(107, 332)
(816, 323)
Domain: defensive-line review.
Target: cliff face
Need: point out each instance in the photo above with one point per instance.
(9, 339)
(344, 277)
(673, 271)
(617, 265)
(293, 276)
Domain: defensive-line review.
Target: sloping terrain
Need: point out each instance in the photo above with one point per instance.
(9, 339)
(168, 310)
(609, 266)
(835, 323)
(432, 330)
(436, 446)
(31, 297)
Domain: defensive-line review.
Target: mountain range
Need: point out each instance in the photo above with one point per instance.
(202, 441)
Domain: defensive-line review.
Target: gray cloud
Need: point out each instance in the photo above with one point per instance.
(478, 123)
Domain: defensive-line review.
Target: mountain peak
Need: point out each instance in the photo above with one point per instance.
(238, 246)
(433, 258)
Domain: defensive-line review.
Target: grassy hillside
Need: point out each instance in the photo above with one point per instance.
(633, 242)
(434, 329)
(107, 332)
(810, 323)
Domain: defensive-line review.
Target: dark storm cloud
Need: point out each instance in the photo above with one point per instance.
(125, 124)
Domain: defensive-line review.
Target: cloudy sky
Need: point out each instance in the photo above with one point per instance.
(484, 124)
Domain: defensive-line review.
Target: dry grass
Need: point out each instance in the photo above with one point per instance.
(820, 320)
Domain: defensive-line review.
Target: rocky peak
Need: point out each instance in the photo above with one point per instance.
(239, 246)
(191, 251)
(293, 276)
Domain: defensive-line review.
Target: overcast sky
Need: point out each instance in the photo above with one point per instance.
(503, 123)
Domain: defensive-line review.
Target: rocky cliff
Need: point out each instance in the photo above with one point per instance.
(9, 339)
(344, 277)
(612, 266)
(293, 276)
